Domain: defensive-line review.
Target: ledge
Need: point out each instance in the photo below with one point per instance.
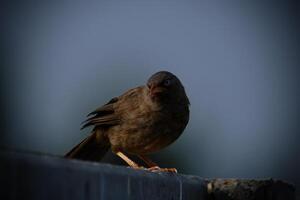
(38, 176)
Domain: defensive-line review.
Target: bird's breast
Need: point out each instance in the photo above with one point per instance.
(148, 131)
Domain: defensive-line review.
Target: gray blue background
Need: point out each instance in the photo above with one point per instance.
(238, 60)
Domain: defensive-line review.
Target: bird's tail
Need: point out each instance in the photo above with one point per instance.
(91, 148)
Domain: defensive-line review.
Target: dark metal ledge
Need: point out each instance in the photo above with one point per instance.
(38, 176)
(33, 176)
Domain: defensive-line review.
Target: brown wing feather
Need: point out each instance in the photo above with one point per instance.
(103, 116)
(111, 113)
(89, 149)
(106, 108)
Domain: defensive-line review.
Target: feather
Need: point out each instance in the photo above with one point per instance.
(103, 116)
(89, 149)
(105, 109)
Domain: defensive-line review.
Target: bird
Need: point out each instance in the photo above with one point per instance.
(142, 121)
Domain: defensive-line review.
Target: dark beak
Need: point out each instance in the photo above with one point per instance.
(154, 90)
(151, 90)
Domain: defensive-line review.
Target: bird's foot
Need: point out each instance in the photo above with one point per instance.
(137, 167)
(158, 169)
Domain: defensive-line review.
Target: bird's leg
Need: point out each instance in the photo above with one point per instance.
(130, 162)
(154, 167)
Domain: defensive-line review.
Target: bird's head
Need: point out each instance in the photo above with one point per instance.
(165, 86)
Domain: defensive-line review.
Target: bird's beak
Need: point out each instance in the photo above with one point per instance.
(154, 90)
(151, 90)
(151, 87)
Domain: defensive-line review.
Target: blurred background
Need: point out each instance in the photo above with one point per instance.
(239, 62)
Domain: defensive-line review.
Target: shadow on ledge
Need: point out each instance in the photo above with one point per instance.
(38, 176)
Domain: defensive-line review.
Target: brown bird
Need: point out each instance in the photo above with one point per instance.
(142, 121)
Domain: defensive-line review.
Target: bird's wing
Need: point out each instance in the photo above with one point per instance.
(119, 108)
(103, 116)
(130, 103)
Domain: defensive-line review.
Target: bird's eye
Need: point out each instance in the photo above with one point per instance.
(167, 82)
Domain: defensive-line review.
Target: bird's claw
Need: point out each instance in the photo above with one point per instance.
(158, 169)
(137, 167)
